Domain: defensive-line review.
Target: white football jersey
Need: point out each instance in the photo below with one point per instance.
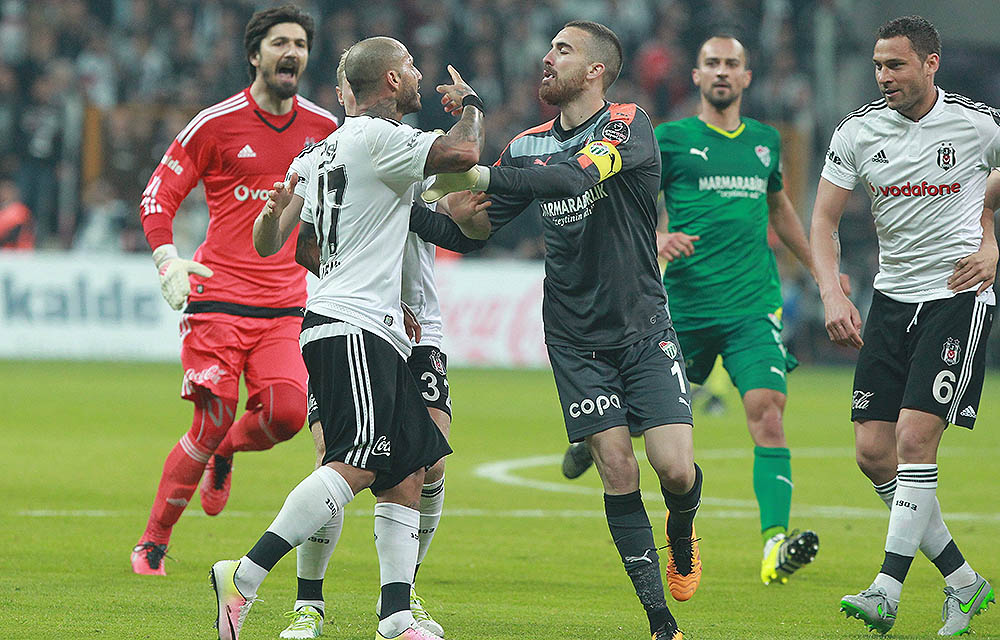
(420, 287)
(927, 183)
(358, 185)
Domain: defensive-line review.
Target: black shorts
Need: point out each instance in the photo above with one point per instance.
(928, 356)
(372, 413)
(313, 408)
(641, 385)
(429, 367)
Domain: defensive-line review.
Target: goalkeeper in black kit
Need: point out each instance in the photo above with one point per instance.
(618, 367)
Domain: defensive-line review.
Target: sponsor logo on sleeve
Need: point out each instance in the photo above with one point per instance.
(834, 158)
(616, 132)
(412, 142)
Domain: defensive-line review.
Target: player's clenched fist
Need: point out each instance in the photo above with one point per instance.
(174, 270)
(279, 197)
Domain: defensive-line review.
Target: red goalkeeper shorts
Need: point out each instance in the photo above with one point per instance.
(217, 347)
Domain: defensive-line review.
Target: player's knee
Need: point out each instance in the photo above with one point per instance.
(873, 462)
(618, 468)
(213, 415)
(677, 478)
(285, 411)
(915, 448)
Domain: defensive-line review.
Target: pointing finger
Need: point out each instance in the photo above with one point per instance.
(455, 76)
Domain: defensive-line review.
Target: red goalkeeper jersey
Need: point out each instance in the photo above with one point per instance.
(239, 151)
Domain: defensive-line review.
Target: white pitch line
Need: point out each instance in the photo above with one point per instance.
(503, 472)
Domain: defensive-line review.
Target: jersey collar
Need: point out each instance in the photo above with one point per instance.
(563, 134)
(276, 122)
(935, 110)
(721, 131)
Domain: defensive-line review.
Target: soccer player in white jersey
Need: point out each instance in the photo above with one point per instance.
(924, 156)
(353, 192)
(428, 365)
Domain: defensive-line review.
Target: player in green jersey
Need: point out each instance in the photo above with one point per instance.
(722, 184)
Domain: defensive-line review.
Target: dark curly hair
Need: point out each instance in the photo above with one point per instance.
(923, 36)
(262, 21)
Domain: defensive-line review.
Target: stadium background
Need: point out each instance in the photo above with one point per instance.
(91, 92)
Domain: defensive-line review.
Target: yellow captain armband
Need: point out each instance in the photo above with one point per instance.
(603, 155)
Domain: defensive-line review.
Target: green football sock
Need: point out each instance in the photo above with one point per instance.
(772, 482)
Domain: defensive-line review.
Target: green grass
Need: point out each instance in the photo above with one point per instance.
(509, 561)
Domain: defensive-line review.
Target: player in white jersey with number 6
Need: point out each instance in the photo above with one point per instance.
(925, 158)
(354, 192)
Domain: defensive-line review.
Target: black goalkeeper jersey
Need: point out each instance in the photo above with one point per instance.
(596, 186)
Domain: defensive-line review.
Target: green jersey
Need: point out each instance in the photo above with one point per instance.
(715, 183)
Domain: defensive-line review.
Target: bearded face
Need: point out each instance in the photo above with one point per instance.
(282, 59)
(281, 78)
(561, 86)
(409, 96)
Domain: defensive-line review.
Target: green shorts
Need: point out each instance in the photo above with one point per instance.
(751, 349)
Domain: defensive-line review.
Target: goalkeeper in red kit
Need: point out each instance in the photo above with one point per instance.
(241, 314)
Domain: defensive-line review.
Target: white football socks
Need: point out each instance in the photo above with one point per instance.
(313, 555)
(396, 541)
(310, 505)
(913, 504)
(431, 504)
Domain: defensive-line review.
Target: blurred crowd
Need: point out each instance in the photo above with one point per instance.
(93, 91)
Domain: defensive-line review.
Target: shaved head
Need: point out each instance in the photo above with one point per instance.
(720, 39)
(367, 62)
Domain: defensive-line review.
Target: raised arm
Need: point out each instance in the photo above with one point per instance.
(843, 322)
(278, 218)
(459, 149)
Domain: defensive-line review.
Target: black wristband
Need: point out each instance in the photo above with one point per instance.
(475, 101)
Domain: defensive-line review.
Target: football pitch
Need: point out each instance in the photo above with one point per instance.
(520, 553)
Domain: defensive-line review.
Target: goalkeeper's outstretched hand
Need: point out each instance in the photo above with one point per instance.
(475, 179)
(174, 270)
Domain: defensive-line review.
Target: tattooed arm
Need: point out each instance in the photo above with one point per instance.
(459, 149)
(843, 322)
(306, 249)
